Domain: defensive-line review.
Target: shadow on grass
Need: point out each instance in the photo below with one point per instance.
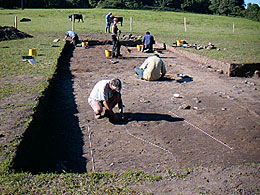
(146, 117)
(53, 141)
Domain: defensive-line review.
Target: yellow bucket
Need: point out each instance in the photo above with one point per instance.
(179, 43)
(139, 47)
(84, 44)
(108, 53)
(32, 52)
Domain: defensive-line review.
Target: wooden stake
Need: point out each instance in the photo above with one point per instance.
(72, 22)
(233, 27)
(185, 26)
(15, 22)
(131, 24)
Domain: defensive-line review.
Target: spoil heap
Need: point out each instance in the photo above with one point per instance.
(8, 33)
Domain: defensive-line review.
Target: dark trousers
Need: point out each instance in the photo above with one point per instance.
(116, 47)
(148, 48)
(108, 27)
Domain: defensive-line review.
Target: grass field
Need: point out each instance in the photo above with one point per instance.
(241, 46)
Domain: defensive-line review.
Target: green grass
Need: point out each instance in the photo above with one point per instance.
(241, 46)
(12, 68)
(99, 183)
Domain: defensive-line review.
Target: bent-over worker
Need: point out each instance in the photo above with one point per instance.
(152, 69)
(72, 36)
(148, 41)
(106, 93)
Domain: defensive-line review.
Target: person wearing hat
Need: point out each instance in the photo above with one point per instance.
(106, 93)
(108, 22)
(152, 69)
(115, 39)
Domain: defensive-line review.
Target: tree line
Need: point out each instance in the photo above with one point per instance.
(219, 7)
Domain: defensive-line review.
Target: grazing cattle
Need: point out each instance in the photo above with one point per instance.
(25, 20)
(76, 17)
(120, 19)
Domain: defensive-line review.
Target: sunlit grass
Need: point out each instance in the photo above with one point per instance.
(242, 45)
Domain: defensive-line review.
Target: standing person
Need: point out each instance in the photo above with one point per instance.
(152, 69)
(106, 93)
(108, 22)
(72, 36)
(115, 40)
(148, 42)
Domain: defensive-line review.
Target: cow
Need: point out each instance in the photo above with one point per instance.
(120, 19)
(76, 17)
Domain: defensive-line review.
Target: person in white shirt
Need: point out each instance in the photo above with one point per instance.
(152, 69)
(72, 36)
(107, 94)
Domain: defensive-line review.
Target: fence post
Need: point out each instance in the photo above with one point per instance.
(185, 26)
(131, 24)
(15, 22)
(72, 22)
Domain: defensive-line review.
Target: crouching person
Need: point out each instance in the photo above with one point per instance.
(152, 69)
(72, 36)
(106, 94)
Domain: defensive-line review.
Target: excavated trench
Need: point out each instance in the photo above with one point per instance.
(245, 70)
(53, 141)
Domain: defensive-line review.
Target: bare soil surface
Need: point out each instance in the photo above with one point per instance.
(221, 129)
(206, 141)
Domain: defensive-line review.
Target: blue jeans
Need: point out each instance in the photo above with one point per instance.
(139, 72)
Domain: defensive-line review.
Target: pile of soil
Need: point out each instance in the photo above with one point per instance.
(8, 33)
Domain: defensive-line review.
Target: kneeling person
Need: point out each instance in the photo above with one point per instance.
(106, 93)
(152, 69)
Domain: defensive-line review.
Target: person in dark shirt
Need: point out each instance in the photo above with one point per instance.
(108, 22)
(148, 41)
(115, 40)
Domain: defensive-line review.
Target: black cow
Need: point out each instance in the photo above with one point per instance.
(76, 17)
(120, 19)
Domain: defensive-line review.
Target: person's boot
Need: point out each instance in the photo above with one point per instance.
(106, 114)
(97, 116)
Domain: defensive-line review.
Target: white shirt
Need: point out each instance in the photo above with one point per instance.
(101, 91)
(71, 34)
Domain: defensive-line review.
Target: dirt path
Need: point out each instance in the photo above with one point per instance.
(221, 128)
